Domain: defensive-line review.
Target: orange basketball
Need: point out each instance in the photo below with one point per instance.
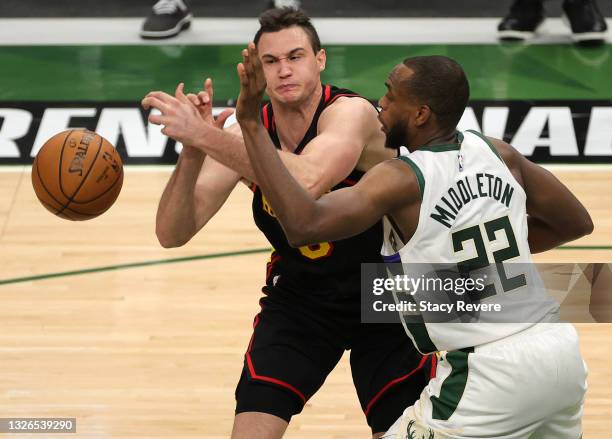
(77, 174)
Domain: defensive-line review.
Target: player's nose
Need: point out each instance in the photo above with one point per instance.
(284, 72)
(283, 68)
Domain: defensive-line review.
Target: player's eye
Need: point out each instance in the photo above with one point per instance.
(269, 61)
(295, 57)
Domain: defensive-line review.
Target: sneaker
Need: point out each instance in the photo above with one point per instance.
(293, 4)
(588, 25)
(522, 21)
(167, 19)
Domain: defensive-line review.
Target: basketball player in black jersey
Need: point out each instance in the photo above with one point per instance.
(327, 137)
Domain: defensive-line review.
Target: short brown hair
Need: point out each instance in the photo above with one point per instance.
(277, 19)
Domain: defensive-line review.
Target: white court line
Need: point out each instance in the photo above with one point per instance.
(400, 31)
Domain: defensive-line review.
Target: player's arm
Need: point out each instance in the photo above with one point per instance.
(195, 192)
(344, 130)
(337, 215)
(345, 212)
(555, 215)
(197, 188)
(375, 152)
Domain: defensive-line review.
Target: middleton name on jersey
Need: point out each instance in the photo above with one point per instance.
(470, 188)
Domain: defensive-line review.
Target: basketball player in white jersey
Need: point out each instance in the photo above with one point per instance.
(450, 197)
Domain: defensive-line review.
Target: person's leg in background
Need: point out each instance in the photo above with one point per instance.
(583, 17)
(168, 18)
(522, 21)
(586, 21)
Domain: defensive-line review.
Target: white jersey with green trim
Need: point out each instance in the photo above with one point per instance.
(473, 215)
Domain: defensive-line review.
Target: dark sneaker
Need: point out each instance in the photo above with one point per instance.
(167, 19)
(587, 24)
(522, 21)
(294, 4)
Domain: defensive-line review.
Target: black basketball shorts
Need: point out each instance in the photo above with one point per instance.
(296, 344)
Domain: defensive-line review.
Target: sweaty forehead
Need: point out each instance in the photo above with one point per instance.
(282, 42)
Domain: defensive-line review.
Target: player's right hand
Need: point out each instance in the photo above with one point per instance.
(252, 86)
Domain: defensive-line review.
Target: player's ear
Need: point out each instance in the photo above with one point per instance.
(321, 59)
(424, 113)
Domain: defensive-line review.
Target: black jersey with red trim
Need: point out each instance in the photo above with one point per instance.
(329, 269)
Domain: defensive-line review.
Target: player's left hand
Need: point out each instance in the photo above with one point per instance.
(252, 85)
(182, 119)
(203, 101)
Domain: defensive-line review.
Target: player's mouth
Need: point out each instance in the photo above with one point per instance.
(286, 87)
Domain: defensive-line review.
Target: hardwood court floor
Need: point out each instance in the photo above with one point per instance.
(154, 351)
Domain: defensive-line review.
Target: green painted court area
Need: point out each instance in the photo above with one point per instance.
(126, 73)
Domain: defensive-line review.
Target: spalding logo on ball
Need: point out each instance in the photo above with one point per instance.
(77, 174)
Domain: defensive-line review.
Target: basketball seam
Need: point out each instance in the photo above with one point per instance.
(53, 197)
(65, 215)
(86, 175)
(42, 183)
(53, 208)
(99, 212)
(61, 159)
(103, 193)
(44, 203)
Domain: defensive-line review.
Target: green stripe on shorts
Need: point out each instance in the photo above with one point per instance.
(453, 386)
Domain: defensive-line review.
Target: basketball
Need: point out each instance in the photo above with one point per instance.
(77, 174)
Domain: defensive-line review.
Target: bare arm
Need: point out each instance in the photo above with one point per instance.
(375, 152)
(195, 192)
(555, 215)
(197, 188)
(345, 212)
(344, 130)
(337, 215)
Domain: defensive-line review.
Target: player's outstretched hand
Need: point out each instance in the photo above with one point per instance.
(203, 101)
(252, 85)
(181, 118)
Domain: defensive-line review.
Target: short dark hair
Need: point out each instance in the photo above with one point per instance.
(277, 19)
(440, 83)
